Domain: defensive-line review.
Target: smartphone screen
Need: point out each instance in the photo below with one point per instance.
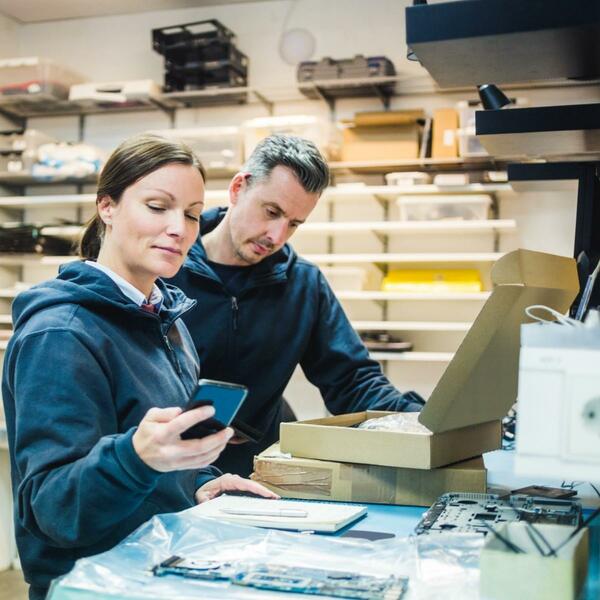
(225, 397)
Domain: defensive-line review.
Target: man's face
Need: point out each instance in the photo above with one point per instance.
(263, 216)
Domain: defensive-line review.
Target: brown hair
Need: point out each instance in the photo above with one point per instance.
(133, 159)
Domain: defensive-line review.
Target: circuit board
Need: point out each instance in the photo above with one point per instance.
(320, 582)
(281, 578)
(468, 513)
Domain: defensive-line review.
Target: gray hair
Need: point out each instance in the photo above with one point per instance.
(298, 154)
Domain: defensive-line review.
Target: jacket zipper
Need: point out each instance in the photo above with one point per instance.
(172, 354)
(234, 309)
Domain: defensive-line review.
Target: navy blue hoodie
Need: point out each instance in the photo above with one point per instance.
(287, 315)
(83, 367)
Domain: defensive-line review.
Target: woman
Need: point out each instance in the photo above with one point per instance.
(99, 368)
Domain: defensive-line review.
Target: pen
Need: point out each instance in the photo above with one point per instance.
(265, 512)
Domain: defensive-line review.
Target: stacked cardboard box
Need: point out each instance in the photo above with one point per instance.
(390, 135)
(306, 478)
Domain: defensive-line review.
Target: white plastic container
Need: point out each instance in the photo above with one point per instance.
(346, 279)
(216, 147)
(319, 131)
(407, 178)
(34, 78)
(114, 93)
(436, 208)
(468, 144)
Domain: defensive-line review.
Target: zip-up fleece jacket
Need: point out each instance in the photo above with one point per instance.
(287, 315)
(83, 367)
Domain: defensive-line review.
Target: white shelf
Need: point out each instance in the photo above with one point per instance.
(406, 258)
(378, 296)
(5, 319)
(10, 292)
(381, 166)
(385, 192)
(442, 357)
(20, 260)
(53, 201)
(58, 200)
(387, 227)
(64, 231)
(391, 192)
(3, 344)
(410, 326)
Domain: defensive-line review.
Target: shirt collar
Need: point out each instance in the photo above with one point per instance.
(156, 296)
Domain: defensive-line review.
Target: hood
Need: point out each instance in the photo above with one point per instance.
(274, 266)
(81, 284)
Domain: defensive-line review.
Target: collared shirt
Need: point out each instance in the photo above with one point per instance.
(156, 297)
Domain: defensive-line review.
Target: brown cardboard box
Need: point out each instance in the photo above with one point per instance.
(444, 137)
(390, 135)
(476, 390)
(308, 479)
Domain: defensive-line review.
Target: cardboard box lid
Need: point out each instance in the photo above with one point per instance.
(480, 383)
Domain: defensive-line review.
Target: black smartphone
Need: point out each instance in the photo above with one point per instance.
(245, 431)
(225, 397)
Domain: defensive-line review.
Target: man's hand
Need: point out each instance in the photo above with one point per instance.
(236, 440)
(231, 483)
(158, 442)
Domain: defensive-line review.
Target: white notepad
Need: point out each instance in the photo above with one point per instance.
(281, 514)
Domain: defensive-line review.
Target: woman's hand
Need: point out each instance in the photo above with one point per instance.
(231, 483)
(158, 442)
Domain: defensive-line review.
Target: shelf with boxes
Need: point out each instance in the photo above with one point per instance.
(395, 227)
(375, 243)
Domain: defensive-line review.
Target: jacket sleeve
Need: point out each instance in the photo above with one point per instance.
(80, 476)
(337, 362)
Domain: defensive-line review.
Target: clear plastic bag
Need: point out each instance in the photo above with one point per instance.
(404, 422)
(431, 563)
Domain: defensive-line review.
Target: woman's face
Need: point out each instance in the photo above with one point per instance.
(150, 231)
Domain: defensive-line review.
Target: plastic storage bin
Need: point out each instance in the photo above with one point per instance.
(468, 144)
(435, 208)
(407, 178)
(37, 79)
(324, 135)
(216, 147)
(432, 280)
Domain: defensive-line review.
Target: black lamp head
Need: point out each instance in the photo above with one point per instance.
(492, 97)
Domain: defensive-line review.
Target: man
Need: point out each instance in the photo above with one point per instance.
(262, 309)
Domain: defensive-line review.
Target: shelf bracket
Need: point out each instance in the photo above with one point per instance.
(9, 121)
(382, 237)
(382, 95)
(268, 104)
(329, 100)
(381, 200)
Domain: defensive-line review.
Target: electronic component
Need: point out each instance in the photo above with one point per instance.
(282, 578)
(209, 570)
(468, 513)
(338, 584)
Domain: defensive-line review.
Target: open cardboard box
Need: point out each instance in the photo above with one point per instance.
(476, 390)
(310, 479)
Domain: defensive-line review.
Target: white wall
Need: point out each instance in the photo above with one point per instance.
(8, 37)
(120, 47)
